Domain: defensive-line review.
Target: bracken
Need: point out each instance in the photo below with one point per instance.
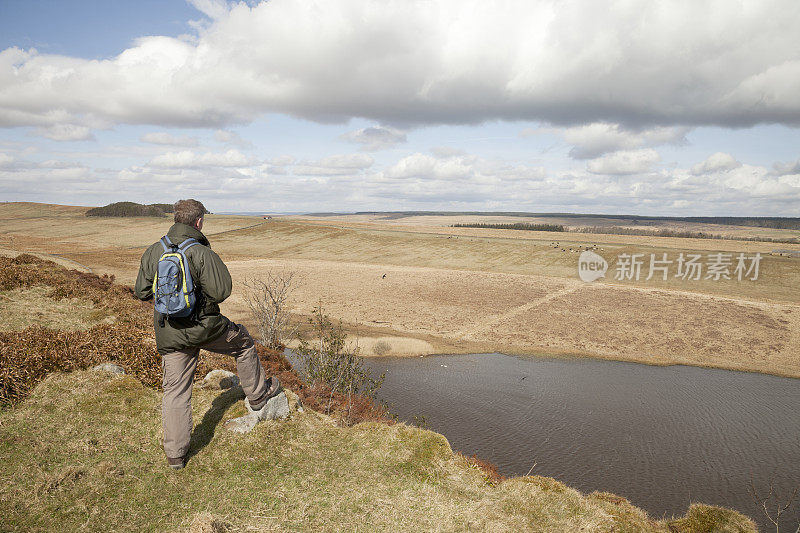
(27, 356)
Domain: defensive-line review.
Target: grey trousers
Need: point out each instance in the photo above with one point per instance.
(178, 371)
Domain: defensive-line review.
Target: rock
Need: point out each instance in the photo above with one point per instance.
(220, 379)
(109, 367)
(243, 424)
(295, 404)
(277, 408)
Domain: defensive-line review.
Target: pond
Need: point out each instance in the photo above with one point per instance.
(662, 437)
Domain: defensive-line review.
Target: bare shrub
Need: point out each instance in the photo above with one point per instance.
(267, 299)
(333, 367)
(381, 348)
(772, 504)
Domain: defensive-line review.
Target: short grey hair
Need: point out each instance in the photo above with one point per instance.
(187, 211)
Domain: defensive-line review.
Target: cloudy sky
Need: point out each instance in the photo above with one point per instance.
(634, 106)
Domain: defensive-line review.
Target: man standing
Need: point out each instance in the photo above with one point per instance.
(179, 340)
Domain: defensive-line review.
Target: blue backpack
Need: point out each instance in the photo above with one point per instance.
(173, 288)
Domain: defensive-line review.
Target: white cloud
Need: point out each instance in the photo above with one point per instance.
(59, 178)
(423, 166)
(446, 151)
(375, 138)
(213, 9)
(55, 163)
(464, 169)
(65, 132)
(783, 169)
(191, 159)
(632, 62)
(281, 160)
(348, 161)
(418, 181)
(624, 162)
(335, 165)
(232, 138)
(593, 140)
(719, 161)
(162, 137)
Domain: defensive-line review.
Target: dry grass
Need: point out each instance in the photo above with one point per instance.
(478, 290)
(93, 462)
(22, 308)
(93, 459)
(55, 229)
(517, 313)
(443, 223)
(709, 518)
(662, 327)
(384, 346)
(408, 299)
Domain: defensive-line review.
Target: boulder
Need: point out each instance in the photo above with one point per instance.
(277, 408)
(220, 380)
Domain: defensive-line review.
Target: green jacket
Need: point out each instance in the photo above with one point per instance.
(209, 273)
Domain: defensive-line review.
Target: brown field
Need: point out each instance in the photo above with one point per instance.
(450, 290)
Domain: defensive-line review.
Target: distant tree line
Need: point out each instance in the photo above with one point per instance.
(132, 209)
(516, 225)
(758, 222)
(618, 230)
(664, 232)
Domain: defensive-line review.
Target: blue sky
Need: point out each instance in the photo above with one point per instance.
(668, 108)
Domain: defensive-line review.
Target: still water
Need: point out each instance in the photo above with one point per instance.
(663, 437)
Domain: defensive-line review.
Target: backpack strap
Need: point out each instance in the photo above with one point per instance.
(185, 245)
(188, 243)
(165, 243)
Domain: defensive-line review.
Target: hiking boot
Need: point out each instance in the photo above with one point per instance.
(272, 405)
(273, 389)
(176, 463)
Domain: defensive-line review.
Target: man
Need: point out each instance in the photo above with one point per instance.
(179, 340)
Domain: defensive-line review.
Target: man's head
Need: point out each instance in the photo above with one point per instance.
(190, 212)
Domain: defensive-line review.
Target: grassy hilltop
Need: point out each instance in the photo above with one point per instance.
(132, 209)
(81, 450)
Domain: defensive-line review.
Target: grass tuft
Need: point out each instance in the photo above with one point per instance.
(208, 523)
(61, 480)
(703, 518)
